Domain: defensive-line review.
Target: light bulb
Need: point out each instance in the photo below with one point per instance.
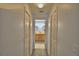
(40, 5)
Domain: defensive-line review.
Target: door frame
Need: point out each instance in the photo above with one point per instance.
(53, 17)
(27, 32)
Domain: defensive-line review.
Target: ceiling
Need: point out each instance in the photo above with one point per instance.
(40, 13)
(37, 13)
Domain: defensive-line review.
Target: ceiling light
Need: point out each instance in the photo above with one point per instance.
(40, 5)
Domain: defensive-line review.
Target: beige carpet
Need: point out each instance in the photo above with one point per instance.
(39, 52)
(39, 49)
(39, 45)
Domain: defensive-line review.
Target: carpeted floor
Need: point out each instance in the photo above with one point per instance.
(39, 52)
(40, 49)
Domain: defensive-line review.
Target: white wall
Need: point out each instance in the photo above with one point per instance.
(68, 29)
(11, 32)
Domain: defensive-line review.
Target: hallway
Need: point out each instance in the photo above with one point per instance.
(39, 29)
